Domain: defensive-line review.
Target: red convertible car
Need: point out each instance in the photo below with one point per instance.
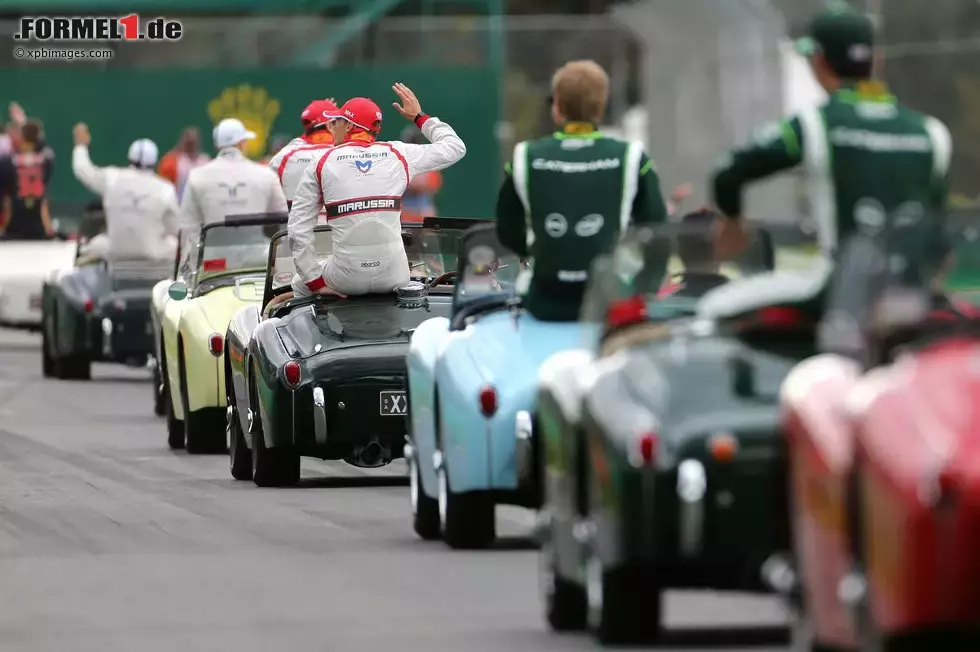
(883, 439)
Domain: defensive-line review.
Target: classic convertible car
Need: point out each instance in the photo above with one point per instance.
(472, 379)
(228, 272)
(882, 439)
(96, 311)
(24, 267)
(663, 465)
(323, 376)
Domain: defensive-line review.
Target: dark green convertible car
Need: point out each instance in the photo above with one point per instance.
(663, 468)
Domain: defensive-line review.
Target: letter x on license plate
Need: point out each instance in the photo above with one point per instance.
(394, 404)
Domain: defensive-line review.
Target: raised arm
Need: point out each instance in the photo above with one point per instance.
(94, 178)
(445, 146)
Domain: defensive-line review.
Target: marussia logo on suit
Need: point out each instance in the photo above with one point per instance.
(365, 205)
(363, 166)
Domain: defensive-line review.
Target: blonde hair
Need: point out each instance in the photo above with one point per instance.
(581, 90)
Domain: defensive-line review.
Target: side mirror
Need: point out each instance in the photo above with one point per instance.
(177, 291)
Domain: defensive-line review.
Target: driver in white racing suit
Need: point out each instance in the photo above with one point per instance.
(141, 211)
(227, 185)
(291, 161)
(360, 182)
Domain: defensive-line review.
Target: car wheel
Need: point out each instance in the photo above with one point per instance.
(624, 604)
(240, 458)
(565, 603)
(72, 367)
(203, 431)
(271, 467)
(425, 510)
(159, 407)
(175, 426)
(47, 362)
(468, 519)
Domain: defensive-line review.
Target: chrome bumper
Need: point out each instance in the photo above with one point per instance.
(319, 416)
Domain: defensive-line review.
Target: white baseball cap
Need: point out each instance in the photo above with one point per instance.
(143, 152)
(231, 132)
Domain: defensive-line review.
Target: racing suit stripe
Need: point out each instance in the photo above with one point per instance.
(285, 159)
(631, 179)
(520, 176)
(820, 180)
(404, 162)
(942, 145)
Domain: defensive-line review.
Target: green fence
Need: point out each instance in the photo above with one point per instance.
(125, 104)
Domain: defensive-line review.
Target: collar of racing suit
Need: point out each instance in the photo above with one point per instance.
(231, 152)
(867, 90)
(360, 137)
(578, 130)
(318, 137)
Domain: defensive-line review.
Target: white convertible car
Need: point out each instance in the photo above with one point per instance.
(24, 264)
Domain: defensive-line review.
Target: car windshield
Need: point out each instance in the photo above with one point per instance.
(899, 283)
(666, 269)
(486, 267)
(431, 250)
(228, 249)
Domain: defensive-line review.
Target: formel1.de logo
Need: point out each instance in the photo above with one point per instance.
(98, 28)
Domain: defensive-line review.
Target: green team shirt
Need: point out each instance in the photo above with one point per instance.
(566, 199)
(866, 159)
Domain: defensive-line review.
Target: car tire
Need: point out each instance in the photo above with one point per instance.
(71, 367)
(271, 467)
(566, 607)
(203, 431)
(239, 457)
(624, 604)
(159, 407)
(425, 510)
(47, 361)
(468, 519)
(175, 426)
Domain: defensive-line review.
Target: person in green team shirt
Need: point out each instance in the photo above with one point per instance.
(568, 197)
(868, 160)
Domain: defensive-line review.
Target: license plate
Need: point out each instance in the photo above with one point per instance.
(394, 404)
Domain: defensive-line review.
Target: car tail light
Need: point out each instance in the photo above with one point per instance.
(780, 317)
(723, 447)
(291, 373)
(216, 344)
(214, 265)
(488, 401)
(645, 449)
(626, 312)
(88, 306)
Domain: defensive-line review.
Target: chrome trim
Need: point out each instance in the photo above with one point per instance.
(692, 485)
(252, 279)
(523, 454)
(778, 573)
(151, 363)
(106, 336)
(319, 416)
(408, 451)
(437, 460)
(229, 414)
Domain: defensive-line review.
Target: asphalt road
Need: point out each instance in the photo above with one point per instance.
(109, 542)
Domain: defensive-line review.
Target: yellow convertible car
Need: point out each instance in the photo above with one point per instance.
(227, 272)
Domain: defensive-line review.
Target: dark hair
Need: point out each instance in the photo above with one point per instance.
(30, 132)
(694, 244)
(315, 128)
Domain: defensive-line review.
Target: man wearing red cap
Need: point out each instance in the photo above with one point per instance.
(360, 183)
(293, 159)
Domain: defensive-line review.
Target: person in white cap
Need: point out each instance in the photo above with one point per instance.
(228, 185)
(141, 211)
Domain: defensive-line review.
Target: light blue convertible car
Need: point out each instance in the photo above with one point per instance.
(472, 383)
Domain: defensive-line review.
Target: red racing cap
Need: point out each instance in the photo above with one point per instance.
(361, 112)
(317, 112)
